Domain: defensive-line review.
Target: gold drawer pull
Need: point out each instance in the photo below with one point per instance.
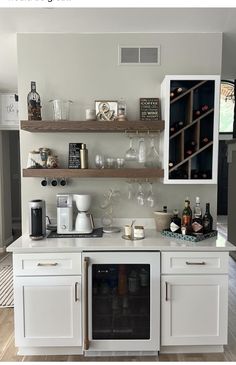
(47, 264)
(195, 263)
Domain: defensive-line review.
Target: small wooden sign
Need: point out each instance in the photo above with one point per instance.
(149, 109)
(74, 155)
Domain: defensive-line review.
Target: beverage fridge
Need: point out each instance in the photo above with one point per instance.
(121, 301)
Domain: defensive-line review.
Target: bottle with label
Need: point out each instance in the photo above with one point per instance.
(175, 225)
(207, 220)
(34, 103)
(83, 156)
(197, 226)
(187, 216)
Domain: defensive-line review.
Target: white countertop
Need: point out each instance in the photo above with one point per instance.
(114, 242)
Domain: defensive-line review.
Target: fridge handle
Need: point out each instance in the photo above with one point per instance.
(86, 338)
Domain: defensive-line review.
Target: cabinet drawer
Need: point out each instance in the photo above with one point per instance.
(194, 262)
(47, 264)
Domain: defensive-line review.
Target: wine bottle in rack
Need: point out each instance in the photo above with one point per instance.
(204, 141)
(171, 164)
(180, 124)
(196, 113)
(204, 108)
(195, 174)
(172, 129)
(176, 92)
(190, 148)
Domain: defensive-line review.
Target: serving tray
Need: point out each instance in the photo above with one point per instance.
(189, 237)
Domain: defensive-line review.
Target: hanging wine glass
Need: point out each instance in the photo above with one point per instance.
(140, 195)
(150, 197)
(131, 154)
(153, 158)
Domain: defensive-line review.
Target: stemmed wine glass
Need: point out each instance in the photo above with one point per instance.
(153, 158)
(131, 154)
(150, 197)
(140, 195)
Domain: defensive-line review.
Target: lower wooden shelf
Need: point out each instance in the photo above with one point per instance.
(87, 173)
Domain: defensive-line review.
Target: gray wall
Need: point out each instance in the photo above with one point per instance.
(83, 68)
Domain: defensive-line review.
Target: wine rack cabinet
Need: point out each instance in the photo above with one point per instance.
(190, 107)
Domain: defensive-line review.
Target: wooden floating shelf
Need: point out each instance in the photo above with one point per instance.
(87, 173)
(91, 126)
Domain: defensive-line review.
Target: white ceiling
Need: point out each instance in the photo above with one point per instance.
(113, 20)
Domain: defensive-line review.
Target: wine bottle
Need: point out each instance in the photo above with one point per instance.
(195, 175)
(187, 215)
(173, 128)
(204, 175)
(171, 164)
(175, 225)
(204, 141)
(34, 103)
(196, 113)
(204, 108)
(190, 148)
(207, 220)
(197, 225)
(176, 92)
(180, 124)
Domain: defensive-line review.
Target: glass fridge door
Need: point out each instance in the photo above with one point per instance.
(120, 301)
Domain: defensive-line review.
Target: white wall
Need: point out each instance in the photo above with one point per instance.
(83, 68)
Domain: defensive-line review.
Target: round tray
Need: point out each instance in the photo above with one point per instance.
(131, 238)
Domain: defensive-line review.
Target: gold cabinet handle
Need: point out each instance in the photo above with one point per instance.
(86, 322)
(76, 292)
(47, 264)
(195, 263)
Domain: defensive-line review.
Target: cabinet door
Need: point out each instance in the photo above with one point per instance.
(194, 310)
(48, 311)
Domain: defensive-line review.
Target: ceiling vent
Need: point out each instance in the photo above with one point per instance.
(139, 55)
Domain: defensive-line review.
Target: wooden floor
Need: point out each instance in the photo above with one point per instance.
(8, 352)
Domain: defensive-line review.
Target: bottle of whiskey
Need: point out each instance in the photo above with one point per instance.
(197, 226)
(175, 225)
(207, 220)
(187, 216)
(34, 103)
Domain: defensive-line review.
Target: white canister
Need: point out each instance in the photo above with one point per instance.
(90, 114)
(138, 232)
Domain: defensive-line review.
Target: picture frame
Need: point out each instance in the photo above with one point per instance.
(106, 110)
(150, 109)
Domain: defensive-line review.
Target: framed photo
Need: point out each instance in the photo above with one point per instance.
(106, 109)
(150, 109)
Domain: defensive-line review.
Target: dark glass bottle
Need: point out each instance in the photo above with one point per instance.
(187, 216)
(34, 103)
(175, 225)
(207, 220)
(197, 226)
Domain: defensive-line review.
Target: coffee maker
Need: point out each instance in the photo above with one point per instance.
(37, 219)
(83, 223)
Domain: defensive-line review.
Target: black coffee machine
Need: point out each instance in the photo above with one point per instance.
(37, 219)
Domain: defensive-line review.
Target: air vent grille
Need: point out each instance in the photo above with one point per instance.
(139, 55)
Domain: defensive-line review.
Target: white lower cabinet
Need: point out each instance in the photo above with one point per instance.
(194, 309)
(48, 311)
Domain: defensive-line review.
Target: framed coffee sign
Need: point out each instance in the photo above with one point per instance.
(149, 109)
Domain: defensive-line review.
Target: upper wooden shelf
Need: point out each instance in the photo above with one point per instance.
(91, 126)
(87, 173)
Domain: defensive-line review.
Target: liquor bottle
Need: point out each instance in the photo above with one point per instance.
(187, 215)
(34, 103)
(207, 220)
(197, 226)
(175, 225)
